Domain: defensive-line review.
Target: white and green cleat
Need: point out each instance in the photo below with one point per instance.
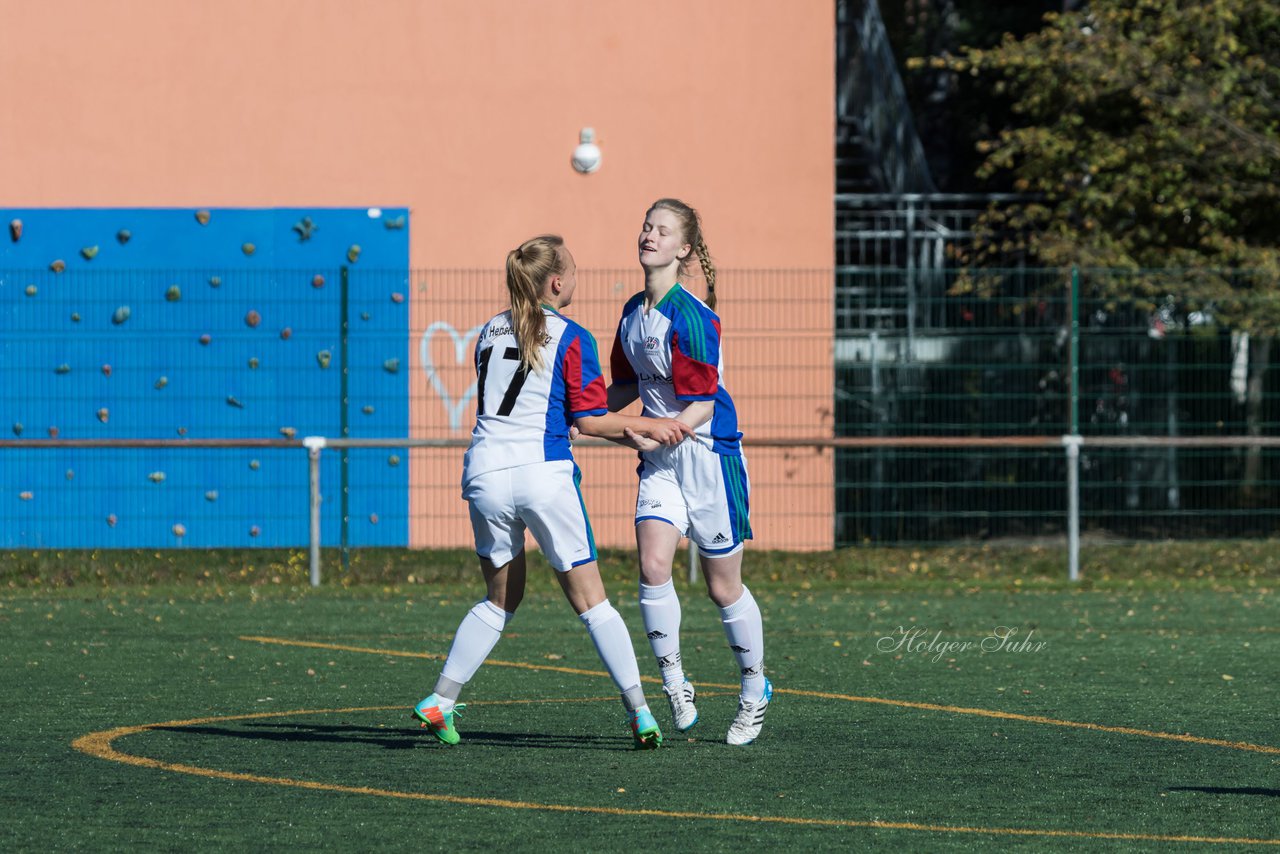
(750, 718)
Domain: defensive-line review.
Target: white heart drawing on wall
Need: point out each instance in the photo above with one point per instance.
(453, 409)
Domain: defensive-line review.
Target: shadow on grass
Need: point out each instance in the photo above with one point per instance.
(392, 739)
(1225, 790)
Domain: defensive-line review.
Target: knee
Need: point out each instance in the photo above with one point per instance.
(507, 600)
(724, 591)
(654, 570)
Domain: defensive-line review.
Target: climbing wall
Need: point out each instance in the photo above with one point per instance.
(185, 323)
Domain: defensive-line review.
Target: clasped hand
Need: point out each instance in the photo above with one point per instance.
(665, 431)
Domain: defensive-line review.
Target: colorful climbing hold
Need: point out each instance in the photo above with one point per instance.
(397, 297)
(179, 529)
(156, 477)
(120, 315)
(58, 266)
(173, 294)
(104, 415)
(391, 366)
(317, 281)
(286, 333)
(111, 520)
(202, 217)
(106, 370)
(162, 382)
(248, 249)
(123, 236)
(15, 230)
(323, 358)
(205, 339)
(353, 254)
(89, 252)
(252, 319)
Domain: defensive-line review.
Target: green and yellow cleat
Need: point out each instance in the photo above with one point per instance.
(645, 730)
(439, 722)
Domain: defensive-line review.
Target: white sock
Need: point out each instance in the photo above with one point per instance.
(476, 637)
(745, 632)
(660, 610)
(613, 643)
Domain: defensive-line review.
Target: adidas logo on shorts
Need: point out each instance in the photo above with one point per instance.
(719, 538)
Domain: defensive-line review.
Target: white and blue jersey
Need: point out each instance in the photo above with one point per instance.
(701, 488)
(673, 351)
(524, 416)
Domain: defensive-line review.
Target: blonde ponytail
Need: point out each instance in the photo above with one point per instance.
(528, 268)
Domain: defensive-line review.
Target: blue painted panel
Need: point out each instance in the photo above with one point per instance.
(217, 343)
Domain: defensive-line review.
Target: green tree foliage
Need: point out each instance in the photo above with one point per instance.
(1148, 135)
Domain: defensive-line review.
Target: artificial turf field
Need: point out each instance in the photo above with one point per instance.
(189, 711)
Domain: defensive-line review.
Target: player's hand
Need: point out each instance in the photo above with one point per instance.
(639, 442)
(667, 431)
(574, 432)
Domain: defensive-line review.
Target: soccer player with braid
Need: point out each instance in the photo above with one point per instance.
(538, 374)
(668, 354)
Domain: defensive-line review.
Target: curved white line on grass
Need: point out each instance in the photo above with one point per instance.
(100, 745)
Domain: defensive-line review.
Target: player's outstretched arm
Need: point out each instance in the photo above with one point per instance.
(612, 426)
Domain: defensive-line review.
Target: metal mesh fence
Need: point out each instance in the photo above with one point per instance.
(814, 358)
(956, 353)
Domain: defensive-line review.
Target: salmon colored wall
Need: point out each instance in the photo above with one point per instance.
(466, 112)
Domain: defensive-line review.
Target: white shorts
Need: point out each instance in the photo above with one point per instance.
(542, 497)
(705, 495)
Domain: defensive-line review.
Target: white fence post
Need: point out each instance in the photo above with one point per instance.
(1072, 445)
(314, 445)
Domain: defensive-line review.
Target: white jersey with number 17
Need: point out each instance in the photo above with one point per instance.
(524, 416)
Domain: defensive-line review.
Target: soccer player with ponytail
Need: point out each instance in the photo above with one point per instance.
(668, 354)
(538, 374)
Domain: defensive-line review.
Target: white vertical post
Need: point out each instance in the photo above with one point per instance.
(693, 562)
(314, 444)
(1072, 444)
